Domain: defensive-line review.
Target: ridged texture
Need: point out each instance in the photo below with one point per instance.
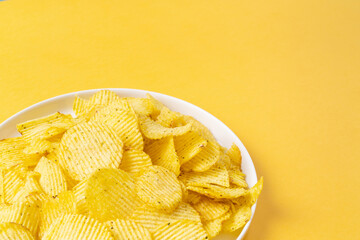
(38, 146)
(157, 106)
(152, 218)
(159, 188)
(124, 122)
(214, 227)
(235, 155)
(188, 145)
(237, 177)
(210, 209)
(162, 153)
(76, 227)
(180, 230)
(111, 194)
(154, 130)
(135, 161)
(88, 147)
(53, 208)
(52, 178)
(32, 184)
(2, 194)
(142, 106)
(192, 197)
(25, 214)
(14, 231)
(198, 127)
(79, 190)
(239, 217)
(217, 174)
(127, 229)
(214, 191)
(168, 118)
(12, 153)
(14, 186)
(204, 160)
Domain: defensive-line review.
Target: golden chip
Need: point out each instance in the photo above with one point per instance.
(235, 155)
(192, 197)
(214, 191)
(25, 214)
(204, 160)
(152, 218)
(198, 127)
(79, 191)
(135, 161)
(88, 147)
(217, 174)
(154, 130)
(55, 207)
(210, 209)
(213, 227)
(162, 153)
(168, 118)
(127, 229)
(124, 122)
(111, 194)
(75, 227)
(239, 217)
(2, 195)
(14, 231)
(142, 106)
(52, 178)
(159, 188)
(38, 146)
(255, 191)
(179, 230)
(237, 177)
(14, 186)
(157, 106)
(188, 145)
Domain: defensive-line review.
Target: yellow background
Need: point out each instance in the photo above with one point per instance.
(284, 75)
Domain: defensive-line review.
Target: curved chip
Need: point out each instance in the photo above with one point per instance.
(235, 155)
(135, 161)
(14, 231)
(14, 187)
(217, 174)
(25, 214)
(210, 209)
(126, 229)
(255, 191)
(162, 153)
(154, 130)
(192, 197)
(111, 194)
(168, 118)
(74, 227)
(239, 217)
(157, 106)
(124, 122)
(89, 146)
(204, 160)
(159, 188)
(188, 145)
(79, 191)
(52, 178)
(180, 230)
(198, 127)
(214, 191)
(141, 106)
(214, 227)
(237, 177)
(152, 218)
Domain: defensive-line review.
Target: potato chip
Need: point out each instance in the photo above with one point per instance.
(214, 191)
(255, 191)
(162, 153)
(79, 191)
(52, 178)
(12, 153)
(204, 160)
(54, 208)
(76, 226)
(235, 155)
(127, 229)
(198, 127)
(36, 198)
(38, 146)
(179, 230)
(154, 130)
(24, 213)
(168, 118)
(2, 195)
(237, 177)
(239, 217)
(184, 191)
(135, 161)
(192, 197)
(159, 188)
(111, 194)
(213, 227)
(210, 209)
(188, 145)
(152, 218)
(217, 174)
(157, 106)
(141, 106)
(13, 186)
(124, 122)
(14, 231)
(88, 147)
(32, 184)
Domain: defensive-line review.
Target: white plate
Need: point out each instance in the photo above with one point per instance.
(221, 132)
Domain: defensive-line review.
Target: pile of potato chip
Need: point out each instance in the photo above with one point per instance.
(124, 168)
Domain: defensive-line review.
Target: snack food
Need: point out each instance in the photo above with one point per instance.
(122, 168)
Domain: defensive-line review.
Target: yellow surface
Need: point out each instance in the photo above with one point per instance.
(284, 75)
